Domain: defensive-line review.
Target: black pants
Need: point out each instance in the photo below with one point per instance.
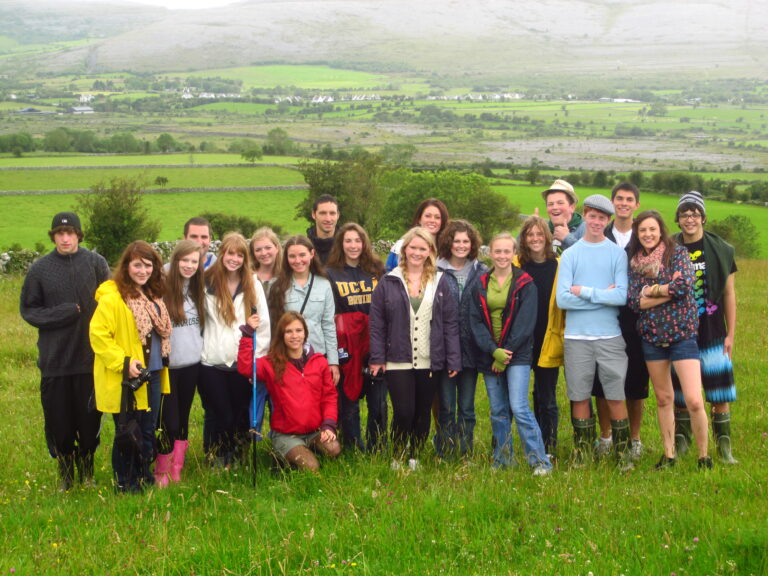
(72, 423)
(177, 405)
(227, 395)
(412, 392)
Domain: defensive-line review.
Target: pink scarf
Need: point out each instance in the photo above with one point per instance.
(149, 316)
(648, 265)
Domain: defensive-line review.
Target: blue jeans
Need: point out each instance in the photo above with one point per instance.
(508, 397)
(456, 422)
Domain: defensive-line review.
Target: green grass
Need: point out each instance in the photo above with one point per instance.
(45, 160)
(309, 77)
(178, 177)
(172, 209)
(359, 517)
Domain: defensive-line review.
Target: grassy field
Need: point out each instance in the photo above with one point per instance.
(360, 517)
(277, 206)
(172, 209)
(308, 77)
(69, 161)
(178, 177)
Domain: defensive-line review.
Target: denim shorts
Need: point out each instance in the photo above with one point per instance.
(682, 350)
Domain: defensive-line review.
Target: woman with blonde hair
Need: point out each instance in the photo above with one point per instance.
(233, 295)
(414, 327)
(267, 256)
(130, 336)
(502, 320)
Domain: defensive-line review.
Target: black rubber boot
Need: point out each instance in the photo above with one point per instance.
(85, 470)
(683, 432)
(721, 425)
(66, 472)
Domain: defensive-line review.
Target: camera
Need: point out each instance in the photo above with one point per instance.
(367, 374)
(136, 383)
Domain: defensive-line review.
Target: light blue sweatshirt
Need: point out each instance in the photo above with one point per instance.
(593, 266)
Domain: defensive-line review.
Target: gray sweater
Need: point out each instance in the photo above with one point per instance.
(186, 338)
(57, 299)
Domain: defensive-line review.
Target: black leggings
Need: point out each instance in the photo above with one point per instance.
(228, 395)
(412, 392)
(177, 405)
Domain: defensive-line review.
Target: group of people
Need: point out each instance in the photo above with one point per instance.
(311, 326)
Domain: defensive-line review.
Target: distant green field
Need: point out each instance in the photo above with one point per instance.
(181, 177)
(309, 77)
(235, 107)
(33, 213)
(133, 160)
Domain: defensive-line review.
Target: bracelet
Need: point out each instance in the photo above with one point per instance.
(642, 291)
(656, 291)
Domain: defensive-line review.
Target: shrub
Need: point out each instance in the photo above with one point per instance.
(740, 232)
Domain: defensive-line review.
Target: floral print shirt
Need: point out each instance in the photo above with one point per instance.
(672, 321)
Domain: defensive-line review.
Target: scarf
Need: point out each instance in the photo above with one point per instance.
(648, 265)
(151, 314)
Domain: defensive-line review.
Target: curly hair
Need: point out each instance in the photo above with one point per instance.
(445, 243)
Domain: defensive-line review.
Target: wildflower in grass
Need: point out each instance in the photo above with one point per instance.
(695, 539)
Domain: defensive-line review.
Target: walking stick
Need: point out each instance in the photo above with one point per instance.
(254, 416)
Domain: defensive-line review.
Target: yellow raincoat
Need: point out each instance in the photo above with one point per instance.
(114, 336)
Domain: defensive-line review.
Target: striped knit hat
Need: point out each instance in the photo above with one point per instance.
(692, 197)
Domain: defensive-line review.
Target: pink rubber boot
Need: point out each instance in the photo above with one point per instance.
(162, 469)
(179, 455)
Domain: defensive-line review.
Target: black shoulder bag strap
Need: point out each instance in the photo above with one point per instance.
(309, 289)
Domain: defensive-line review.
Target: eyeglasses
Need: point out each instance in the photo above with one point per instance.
(693, 216)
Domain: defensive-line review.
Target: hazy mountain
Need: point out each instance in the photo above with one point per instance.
(484, 38)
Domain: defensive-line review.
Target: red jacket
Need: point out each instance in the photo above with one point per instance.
(303, 402)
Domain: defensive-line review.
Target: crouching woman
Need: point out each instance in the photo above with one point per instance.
(131, 330)
(304, 399)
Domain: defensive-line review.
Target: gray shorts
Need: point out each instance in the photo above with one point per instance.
(584, 357)
(284, 443)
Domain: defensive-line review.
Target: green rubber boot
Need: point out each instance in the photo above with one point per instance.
(583, 440)
(721, 424)
(683, 432)
(622, 443)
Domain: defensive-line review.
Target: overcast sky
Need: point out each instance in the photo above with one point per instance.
(188, 4)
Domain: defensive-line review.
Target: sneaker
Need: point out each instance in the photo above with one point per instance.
(636, 450)
(603, 447)
(664, 463)
(705, 463)
(625, 465)
(413, 464)
(542, 471)
(395, 465)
